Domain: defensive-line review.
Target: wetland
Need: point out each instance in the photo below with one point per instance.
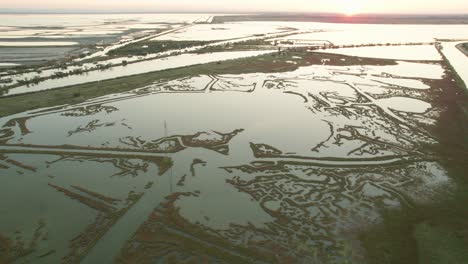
(193, 138)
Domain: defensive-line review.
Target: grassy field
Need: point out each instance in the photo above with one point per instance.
(255, 44)
(151, 47)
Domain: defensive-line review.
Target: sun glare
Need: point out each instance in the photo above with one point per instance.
(350, 8)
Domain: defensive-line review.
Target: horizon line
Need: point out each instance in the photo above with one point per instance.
(214, 12)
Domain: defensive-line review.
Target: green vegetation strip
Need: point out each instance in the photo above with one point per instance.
(150, 47)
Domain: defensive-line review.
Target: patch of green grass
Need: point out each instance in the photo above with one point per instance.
(440, 244)
(150, 47)
(254, 44)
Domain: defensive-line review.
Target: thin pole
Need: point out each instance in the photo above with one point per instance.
(170, 170)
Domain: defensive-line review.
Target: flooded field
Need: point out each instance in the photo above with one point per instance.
(418, 53)
(248, 154)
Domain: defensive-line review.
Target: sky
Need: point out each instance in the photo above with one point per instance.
(332, 6)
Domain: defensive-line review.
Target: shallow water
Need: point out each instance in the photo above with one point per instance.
(225, 31)
(249, 143)
(136, 68)
(420, 52)
(355, 34)
(457, 59)
(405, 104)
(67, 20)
(248, 166)
(6, 64)
(36, 43)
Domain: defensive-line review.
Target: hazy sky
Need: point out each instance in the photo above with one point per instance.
(342, 6)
